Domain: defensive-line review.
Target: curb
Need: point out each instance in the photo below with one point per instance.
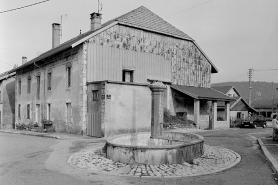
(32, 134)
(273, 163)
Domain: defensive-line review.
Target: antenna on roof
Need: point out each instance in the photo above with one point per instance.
(99, 6)
(61, 31)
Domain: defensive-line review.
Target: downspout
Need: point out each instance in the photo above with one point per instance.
(43, 107)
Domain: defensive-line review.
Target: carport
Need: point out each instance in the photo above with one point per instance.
(209, 98)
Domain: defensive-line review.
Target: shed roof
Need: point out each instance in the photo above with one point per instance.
(141, 18)
(223, 89)
(202, 93)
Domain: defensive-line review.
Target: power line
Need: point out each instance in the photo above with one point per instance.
(189, 8)
(6, 62)
(265, 69)
(237, 77)
(24, 6)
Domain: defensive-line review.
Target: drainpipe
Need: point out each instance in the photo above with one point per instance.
(43, 110)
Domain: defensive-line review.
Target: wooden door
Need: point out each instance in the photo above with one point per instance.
(94, 111)
(94, 128)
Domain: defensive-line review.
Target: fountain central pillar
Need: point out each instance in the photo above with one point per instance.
(157, 89)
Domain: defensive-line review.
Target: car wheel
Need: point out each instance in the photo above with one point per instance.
(264, 125)
(255, 126)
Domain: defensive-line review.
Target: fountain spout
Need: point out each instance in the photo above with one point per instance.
(157, 89)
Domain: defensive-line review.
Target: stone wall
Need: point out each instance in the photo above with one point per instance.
(7, 102)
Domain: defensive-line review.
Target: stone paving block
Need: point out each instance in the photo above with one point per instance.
(214, 159)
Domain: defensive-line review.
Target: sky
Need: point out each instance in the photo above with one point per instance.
(236, 35)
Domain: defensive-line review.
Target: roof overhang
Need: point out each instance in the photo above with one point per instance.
(67, 45)
(202, 93)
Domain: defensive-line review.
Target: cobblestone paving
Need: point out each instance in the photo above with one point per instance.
(215, 159)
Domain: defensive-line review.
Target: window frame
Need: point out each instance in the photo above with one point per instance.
(48, 111)
(131, 75)
(68, 112)
(38, 86)
(49, 80)
(29, 81)
(28, 112)
(68, 71)
(19, 86)
(95, 94)
(19, 111)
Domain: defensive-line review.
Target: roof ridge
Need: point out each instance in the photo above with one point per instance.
(155, 23)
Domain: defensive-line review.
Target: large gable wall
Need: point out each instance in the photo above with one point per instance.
(189, 66)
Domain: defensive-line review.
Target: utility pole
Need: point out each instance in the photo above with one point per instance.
(272, 98)
(250, 85)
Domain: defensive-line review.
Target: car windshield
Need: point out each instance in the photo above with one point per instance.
(250, 118)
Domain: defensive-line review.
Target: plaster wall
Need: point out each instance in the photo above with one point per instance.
(221, 125)
(128, 109)
(57, 97)
(233, 114)
(232, 93)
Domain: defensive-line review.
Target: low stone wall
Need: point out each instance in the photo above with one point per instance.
(179, 148)
(221, 125)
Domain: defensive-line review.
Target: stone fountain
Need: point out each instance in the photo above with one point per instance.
(156, 147)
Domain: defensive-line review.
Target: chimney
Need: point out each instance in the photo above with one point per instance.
(24, 60)
(55, 35)
(95, 21)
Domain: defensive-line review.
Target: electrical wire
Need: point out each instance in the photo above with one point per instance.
(24, 6)
(188, 9)
(269, 45)
(5, 62)
(237, 77)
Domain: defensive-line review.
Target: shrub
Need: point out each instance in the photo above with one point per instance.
(21, 126)
(170, 121)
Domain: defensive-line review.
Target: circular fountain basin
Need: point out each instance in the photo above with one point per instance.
(171, 148)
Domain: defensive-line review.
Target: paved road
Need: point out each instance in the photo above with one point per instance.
(24, 161)
(35, 160)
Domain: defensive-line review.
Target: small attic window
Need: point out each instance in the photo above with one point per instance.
(128, 75)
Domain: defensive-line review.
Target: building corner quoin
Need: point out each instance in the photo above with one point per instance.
(84, 88)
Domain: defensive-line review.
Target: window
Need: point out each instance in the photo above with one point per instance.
(29, 84)
(68, 76)
(19, 86)
(18, 110)
(95, 95)
(49, 74)
(238, 115)
(38, 86)
(48, 111)
(28, 111)
(127, 76)
(68, 105)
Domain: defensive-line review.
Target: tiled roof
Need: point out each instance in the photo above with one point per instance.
(141, 18)
(145, 19)
(223, 89)
(202, 93)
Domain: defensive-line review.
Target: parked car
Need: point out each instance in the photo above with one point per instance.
(254, 121)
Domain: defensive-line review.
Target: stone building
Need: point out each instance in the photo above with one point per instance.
(7, 100)
(97, 83)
